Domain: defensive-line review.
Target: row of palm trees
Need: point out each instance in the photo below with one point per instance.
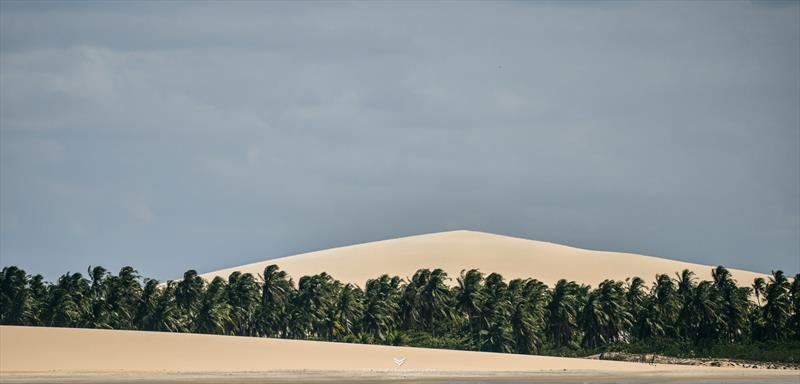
(477, 311)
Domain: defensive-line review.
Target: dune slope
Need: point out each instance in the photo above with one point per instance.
(457, 250)
(39, 349)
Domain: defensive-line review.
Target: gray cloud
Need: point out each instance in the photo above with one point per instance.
(170, 137)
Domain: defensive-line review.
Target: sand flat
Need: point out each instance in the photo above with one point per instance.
(39, 351)
(293, 377)
(457, 250)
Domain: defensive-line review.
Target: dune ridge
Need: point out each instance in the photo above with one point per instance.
(454, 251)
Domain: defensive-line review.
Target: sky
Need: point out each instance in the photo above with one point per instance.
(204, 135)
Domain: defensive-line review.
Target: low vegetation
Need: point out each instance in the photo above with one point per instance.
(676, 315)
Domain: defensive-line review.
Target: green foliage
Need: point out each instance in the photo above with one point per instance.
(785, 352)
(677, 316)
(563, 309)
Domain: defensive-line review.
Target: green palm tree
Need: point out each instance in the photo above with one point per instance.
(68, 301)
(38, 295)
(380, 306)
(495, 324)
(706, 322)
(759, 286)
(61, 310)
(408, 307)
(527, 298)
(666, 302)
(213, 314)
(686, 283)
(618, 320)
(123, 294)
(97, 276)
(312, 304)
(562, 313)
(635, 295)
(794, 293)
(15, 297)
(734, 305)
(166, 315)
(647, 323)
(777, 307)
(434, 301)
(276, 290)
(243, 295)
(188, 296)
(146, 304)
(469, 297)
(348, 310)
(592, 320)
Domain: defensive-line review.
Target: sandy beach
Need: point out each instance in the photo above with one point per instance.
(31, 354)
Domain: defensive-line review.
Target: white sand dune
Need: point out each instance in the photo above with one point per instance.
(38, 349)
(457, 250)
(34, 349)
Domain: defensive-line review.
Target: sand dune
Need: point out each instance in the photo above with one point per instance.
(38, 349)
(456, 250)
(33, 349)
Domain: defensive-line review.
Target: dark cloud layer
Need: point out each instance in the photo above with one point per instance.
(170, 136)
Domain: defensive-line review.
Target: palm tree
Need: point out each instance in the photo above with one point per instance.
(634, 295)
(759, 286)
(15, 297)
(123, 294)
(348, 310)
(146, 305)
(189, 295)
(686, 285)
(562, 313)
(98, 276)
(593, 320)
(777, 307)
(733, 304)
(666, 303)
(312, 304)
(434, 300)
(213, 314)
(618, 320)
(38, 291)
(165, 315)
(243, 295)
(527, 299)
(408, 306)
(68, 301)
(98, 313)
(706, 322)
(495, 333)
(61, 310)
(794, 320)
(380, 306)
(648, 321)
(469, 297)
(276, 290)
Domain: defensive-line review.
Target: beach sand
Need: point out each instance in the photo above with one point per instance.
(38, 354)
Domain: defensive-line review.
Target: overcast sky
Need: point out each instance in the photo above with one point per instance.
(205, 135)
